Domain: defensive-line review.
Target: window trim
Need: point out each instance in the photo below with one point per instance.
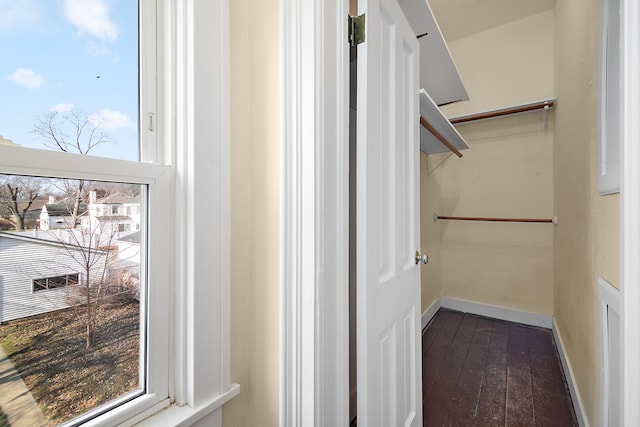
(195, 105)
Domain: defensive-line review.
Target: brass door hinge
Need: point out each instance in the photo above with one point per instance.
(356, 30)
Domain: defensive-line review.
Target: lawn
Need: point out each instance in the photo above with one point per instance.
(64, 377)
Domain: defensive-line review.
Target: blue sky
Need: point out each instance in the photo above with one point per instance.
(61, 55)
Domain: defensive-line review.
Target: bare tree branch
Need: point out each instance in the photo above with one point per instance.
(91, 249)
(54, 129)
(17, 194)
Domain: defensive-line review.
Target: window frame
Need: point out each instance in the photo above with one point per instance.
(154, 376)
(47, 279)
(185, 51)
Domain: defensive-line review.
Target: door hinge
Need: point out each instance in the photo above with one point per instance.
(356, 30)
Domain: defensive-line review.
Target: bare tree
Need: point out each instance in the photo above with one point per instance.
(91, 246)
(17, 194)
(92, 251)
(71, 132)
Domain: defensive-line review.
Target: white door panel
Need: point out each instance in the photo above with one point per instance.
(388, 280)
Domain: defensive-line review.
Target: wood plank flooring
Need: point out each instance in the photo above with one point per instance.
(481, 372)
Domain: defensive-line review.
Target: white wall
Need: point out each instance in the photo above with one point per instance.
(23, 261)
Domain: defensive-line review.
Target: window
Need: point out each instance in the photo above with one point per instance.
(73, 67)
(609, 112)
(98, 287)
(91, 89)
(55, 282)
(184, 340)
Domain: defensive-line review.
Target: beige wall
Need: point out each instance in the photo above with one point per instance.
(506, 65)
(508, 172)
(587, 242)
(430, 234)
(254, 212)
(513, 169)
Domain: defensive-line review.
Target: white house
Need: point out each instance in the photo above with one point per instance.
(36, 270)
(56, 215)
(129, 249)
(119, 210)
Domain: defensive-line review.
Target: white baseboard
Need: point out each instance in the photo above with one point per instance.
(430, 312)
(497, 312)
(583, 421)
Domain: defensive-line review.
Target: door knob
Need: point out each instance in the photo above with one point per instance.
(424, 258)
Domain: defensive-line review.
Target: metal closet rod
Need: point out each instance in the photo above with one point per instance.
(524, 108)
(553, 220)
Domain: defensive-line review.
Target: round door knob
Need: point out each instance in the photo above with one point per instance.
(424, 258)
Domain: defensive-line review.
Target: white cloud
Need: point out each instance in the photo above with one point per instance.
(62, 108)
(27, 78)
(16, 13)
(92, 17)
(111, 120)
(95, 50)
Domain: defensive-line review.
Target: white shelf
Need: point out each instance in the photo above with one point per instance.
(428, 142)
(438, 73)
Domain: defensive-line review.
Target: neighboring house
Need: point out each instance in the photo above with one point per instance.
(58, 215)
(110, 228)
(129, 249)
(35, 271)
(127, 268)
(118, 208)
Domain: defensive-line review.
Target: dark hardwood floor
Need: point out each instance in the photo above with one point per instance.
(480, 372)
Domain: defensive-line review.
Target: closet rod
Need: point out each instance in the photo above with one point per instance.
(553, 220)
(523, 108)
(438, 135)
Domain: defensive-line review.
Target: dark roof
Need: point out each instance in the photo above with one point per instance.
(114, 218)
(132, 238)
(61, 209)
(118, 198)
(33, 214)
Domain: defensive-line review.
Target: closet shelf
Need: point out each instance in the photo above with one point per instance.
(438, 73)
(437, 134)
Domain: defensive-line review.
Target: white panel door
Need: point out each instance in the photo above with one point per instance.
(388, 228)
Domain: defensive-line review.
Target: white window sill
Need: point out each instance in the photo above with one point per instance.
(184, 416)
